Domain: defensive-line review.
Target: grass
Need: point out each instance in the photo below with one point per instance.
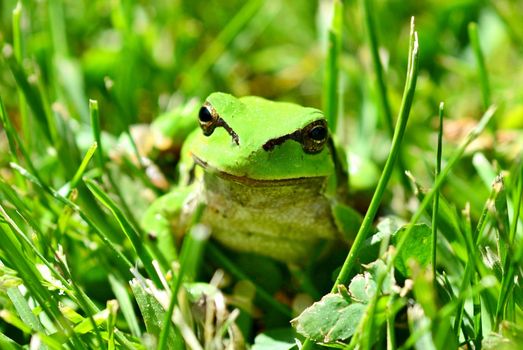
(437, 261)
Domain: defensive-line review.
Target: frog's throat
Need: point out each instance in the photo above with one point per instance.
(250, 181)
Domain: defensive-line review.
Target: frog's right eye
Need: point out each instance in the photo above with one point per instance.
(208, 119)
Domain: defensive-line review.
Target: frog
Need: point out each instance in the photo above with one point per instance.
(270, 175)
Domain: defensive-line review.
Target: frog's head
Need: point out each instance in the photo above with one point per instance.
(256, 139)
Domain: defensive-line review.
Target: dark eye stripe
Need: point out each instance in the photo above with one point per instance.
(312, 137)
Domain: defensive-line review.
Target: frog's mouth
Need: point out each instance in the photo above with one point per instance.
(254, 182)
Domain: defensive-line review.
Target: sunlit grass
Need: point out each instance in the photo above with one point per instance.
(78, 271)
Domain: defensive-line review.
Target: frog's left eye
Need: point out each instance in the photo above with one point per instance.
(208, 119)
(314, 136)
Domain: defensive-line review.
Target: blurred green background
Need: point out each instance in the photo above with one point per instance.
(142, 59)
(138, 58)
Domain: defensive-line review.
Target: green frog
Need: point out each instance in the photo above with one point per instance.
(271, 177)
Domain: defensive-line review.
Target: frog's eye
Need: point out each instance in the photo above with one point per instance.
(314, 136)
(209, 120)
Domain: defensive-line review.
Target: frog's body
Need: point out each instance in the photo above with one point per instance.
(268, 174)
(281, 219)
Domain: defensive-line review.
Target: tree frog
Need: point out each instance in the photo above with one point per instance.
(270, 175)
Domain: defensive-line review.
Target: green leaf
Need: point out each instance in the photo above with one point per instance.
(376, 245)
(127, 228)
(417, 247)
(126, 305)
(7, 343)
(276, 339)
(23, 309)
(153, 314)
(86, 325)
(363, 286)
(333, 318)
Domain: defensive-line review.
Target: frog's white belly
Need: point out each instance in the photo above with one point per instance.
(280, 219)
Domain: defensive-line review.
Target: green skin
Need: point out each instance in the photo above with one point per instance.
(270, 183)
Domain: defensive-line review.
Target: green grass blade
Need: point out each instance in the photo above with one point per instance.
(31, 94)
(27, 271)
(14, 141)
(18, 45)
(12, 136)
(197, 71)
(331, 79)
(153, 314)
(23, 309)
(378, 68)
(190, 259)
(102, 231)
(228, 265)
(95, 125)
(71, 288)
(482, 69)
(439, 181)
(8, 343)
(458, 153)
(126, 305)
(128, 229)
(83, 165)
(410, 87)
(435, 205)
(513, 262)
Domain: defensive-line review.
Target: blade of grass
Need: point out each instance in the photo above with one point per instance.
(228, 265)
(217, 47)
(27, 271)
(410, 87)
(53, 343)
(8, 343)
(127, 228)
(23, 309)
(57, 27)
(435, 204)
(423, 206)
(468, 274)
(126, 305)
(482, 70)
(80, 298)
(381, 84)
(190, 257)
(515, 261)
(153, 312)
(378, 68)
(83, 166)
(112, 306)
(363, 232)
(457, 154)
(14, 142)
(95, 124)
(101, 231)
(331, 80)
(18, 46)
(437, 184)
(31, 94)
